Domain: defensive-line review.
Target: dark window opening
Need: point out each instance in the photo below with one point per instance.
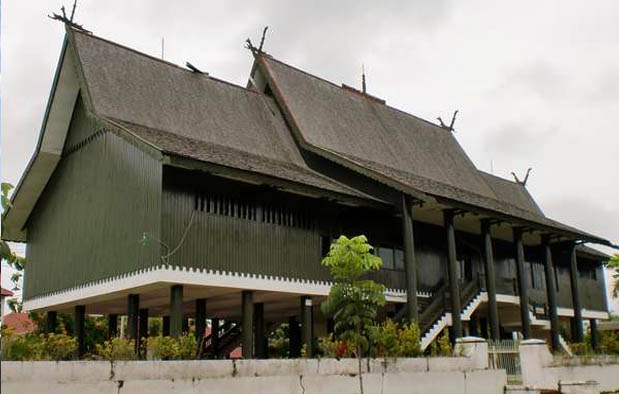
(325, 245)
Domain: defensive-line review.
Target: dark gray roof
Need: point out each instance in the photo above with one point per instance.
(512, 192)
(592, 253)
(191, 114)
(338, 123)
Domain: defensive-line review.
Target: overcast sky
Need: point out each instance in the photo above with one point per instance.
(536, 83)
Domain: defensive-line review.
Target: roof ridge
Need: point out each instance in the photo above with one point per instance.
(372, 98)
(500, 178)
(174, 65)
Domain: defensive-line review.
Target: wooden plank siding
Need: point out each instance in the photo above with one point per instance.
(87, 225)
(262, 243)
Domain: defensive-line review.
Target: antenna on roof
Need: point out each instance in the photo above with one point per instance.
(162, 46)
(68, 21)
(251, 47)
(451, 125)
(526, 177)
(363, 86)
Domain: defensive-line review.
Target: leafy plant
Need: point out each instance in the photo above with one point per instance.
(170, 348)
(116, 349)
(396, 340)
(35, 347)
(59, 346)
(613, 266)
(353, 302)
(442, 347)
(6, 254)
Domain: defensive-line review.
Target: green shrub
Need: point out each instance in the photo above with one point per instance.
(609, 342)
(36, 347)
(59, 346)
(442, 347)
(169, 348)
(21, 347)
(116, 349)
(396, 340)
(328, 347)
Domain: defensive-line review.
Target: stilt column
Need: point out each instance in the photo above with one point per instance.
(259, 334)
(551, 294)
(578, 323)
(79, 316)
(410, 264)
(454, 286)
(522, 284)
(51, 322)
(493, 311)
(248, 319)
(176, 310)
(307, 325)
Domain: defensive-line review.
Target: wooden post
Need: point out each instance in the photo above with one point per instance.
(143, 331)
(259, 334)
(410, 264)
(176, 311)
(307, 325)
(79, 316)
(51, 322)
(248, 320)
(579, 335)
(551, 293)
(112, 325)
(595, 335)
(493, 310)
(454, 286)
(523, 290)
(214, 333)
(165, 330)
(200, 317)
(294, 338)
(133, 308)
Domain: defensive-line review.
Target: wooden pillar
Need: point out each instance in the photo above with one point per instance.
(51, 322)
(112, 325)
(493, 310)
(551, 294)
(454, 287)
(523, 290)
(248, 319)
(578, 323)
(595, 335)
(200, 317)
(259, 334)
(176, 310)
(214, 333)
(307, 325)
(165, 330)
(142, 331)
(79, 316)
(133, 307)
(410, 265)
(294, 338)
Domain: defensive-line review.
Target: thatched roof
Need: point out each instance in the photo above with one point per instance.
(359, 131)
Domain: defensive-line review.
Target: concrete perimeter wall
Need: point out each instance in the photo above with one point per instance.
(541, 370)
(457, 375)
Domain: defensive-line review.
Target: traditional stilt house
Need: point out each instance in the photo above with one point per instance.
(161, 191)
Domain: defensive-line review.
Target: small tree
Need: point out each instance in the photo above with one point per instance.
(13, 260)
(613, 266)
(353, 301)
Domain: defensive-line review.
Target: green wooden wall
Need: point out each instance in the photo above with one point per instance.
(229, 243)
(87, 225)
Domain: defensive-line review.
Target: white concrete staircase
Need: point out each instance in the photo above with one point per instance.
(565, 346)
(445, 320)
